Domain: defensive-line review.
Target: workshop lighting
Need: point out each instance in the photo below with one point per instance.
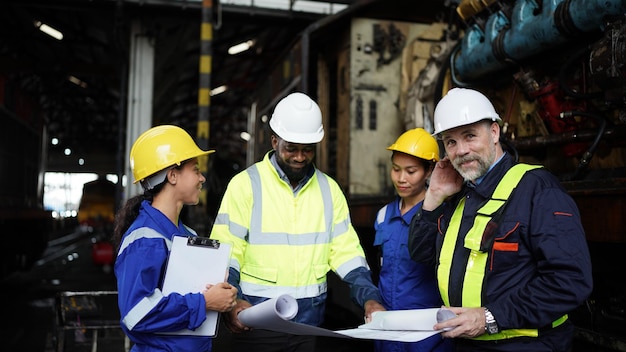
(54, 33)
(241, 47)
(245, 136)
(218, 90)
(311, 6)
(77, 81)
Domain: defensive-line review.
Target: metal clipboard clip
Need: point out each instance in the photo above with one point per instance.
(203, 242)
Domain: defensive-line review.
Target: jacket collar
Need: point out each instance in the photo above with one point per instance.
(491, 179)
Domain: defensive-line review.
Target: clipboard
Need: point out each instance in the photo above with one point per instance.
(193, 263)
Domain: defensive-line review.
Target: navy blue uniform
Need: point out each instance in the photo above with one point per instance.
(543, 270)
(403, 283)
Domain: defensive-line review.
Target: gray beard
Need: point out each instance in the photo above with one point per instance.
(481, 170)
(472, 174)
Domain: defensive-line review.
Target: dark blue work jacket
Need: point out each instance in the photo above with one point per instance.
(544, 268)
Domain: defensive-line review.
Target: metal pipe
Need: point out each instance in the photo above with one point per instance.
(611, 134)
(530, 30)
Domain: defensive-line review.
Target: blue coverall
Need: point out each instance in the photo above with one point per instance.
(403, 283)
(544, 271)
(140, 268)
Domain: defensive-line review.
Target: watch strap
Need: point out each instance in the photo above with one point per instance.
(491, 326)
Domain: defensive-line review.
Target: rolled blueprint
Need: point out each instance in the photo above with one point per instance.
(409, 319)
(276, 314)
(272, 312)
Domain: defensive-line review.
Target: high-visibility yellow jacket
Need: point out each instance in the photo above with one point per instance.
(286, 243)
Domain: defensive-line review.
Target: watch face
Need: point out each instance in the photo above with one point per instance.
(492, 328)
(490, 325)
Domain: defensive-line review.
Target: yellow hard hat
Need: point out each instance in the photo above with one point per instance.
(417, 142)
(159, 148)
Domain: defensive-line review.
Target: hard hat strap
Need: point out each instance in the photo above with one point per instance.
(152, 181)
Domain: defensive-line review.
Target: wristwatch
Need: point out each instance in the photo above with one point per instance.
(491, 327)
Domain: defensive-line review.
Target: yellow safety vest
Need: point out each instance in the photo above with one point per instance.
(285, 243)
(475, 241)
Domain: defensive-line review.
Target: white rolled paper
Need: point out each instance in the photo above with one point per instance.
(270, 313)
(276, 314)
(410, 319)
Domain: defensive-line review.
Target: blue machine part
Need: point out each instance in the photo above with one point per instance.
(504, 42)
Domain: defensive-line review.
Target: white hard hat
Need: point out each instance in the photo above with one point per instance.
(462, 106)
(298, 119)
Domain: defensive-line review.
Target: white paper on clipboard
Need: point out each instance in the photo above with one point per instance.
(193, 263)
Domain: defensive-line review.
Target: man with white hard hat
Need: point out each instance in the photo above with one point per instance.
(510, 250)
(289, 225)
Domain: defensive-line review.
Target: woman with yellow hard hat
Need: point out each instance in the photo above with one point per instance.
(403, 283)
(164, 160)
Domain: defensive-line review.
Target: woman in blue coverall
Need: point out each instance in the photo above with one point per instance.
(403, 283)
(164, 160)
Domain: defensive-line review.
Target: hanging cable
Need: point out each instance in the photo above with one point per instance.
(587, 155)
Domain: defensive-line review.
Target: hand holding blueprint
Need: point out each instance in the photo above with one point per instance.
(401, 325)
(275, 314)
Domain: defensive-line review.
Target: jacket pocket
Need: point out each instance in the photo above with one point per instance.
(320, 271)
(506, 247)
(260, 272)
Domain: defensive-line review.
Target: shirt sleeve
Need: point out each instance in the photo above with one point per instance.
(423, 236)
(362, 288)
(143, 306)
(347, 255)
(233, 220)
